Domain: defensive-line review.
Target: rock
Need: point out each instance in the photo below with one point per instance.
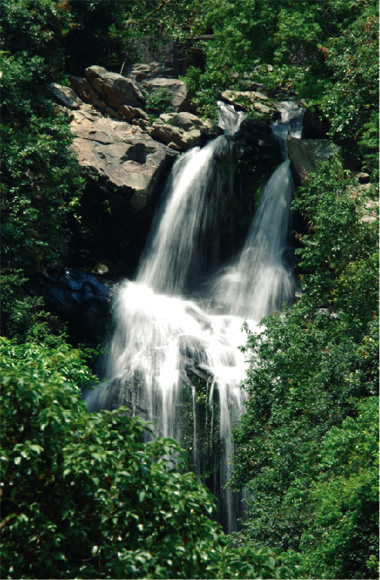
(80, 297)
(257, 137)
(141, 72)
(250, 101)
(111, 93)
(125, 170)
(123, 156)
(65, 96)
(180, 100)
(169, 134)
(115, 88)
(306, 154)
(186, 121)
(363, 177)
(118, 393)
(251, 96)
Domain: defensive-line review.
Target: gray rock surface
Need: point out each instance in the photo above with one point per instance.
(115, 88)
(65, 96)
(306, 154)
(253, 101)
(141, 71)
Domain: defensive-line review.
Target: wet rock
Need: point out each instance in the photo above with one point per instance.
(81, 298)
(307, 154)
(118, 393)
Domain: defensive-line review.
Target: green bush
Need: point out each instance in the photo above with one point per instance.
(159, 101)
(84, 497)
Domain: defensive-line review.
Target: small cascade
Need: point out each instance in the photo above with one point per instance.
(261, 280)
(171, 356)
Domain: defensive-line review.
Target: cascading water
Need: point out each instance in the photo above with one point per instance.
(163, 343)
(260, 281)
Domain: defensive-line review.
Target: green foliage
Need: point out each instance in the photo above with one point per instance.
(345, 535)
(35, 28)
(311, 368)
(97, 35)
(84, 497)
(351, 102)
(159, 101)
(339, 252)
(20, 313)
(324, 52)
(40, 174)
(41, 182)
(160, 20)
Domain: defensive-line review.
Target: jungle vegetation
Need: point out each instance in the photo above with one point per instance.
(82, 496)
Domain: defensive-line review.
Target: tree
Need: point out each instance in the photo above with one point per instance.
(41, 176)
(322, 52)
(84, 497)
(343, 542)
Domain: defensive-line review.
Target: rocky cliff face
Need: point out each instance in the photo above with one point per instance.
(127, 155)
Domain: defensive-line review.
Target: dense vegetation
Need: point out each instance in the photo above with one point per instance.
(82, 495)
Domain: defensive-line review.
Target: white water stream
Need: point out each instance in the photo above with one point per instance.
(158, 330)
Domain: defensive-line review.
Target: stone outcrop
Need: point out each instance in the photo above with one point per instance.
(122, 156)
(141, 71)
(250, 101)
(180, 131)
(110, 93)
(306, 154)
(65, 96)
(79, 297)
(126, 156)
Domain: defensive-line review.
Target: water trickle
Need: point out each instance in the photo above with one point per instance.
(163, 343)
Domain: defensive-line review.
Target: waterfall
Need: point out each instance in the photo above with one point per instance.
(165, 342)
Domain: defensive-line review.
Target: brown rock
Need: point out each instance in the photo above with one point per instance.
(114, 88)
(123, 156)
(170, 134)
(65, 96)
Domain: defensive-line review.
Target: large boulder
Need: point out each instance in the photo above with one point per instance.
(142, 71)
(181, 131)
(115, 88)
(82, 299)
(125, 170)
(122, 156)
(65, 96)
(307, 154)
(110, 93)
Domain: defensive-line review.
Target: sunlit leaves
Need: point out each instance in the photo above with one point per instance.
(309, 367)
(84, 497)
